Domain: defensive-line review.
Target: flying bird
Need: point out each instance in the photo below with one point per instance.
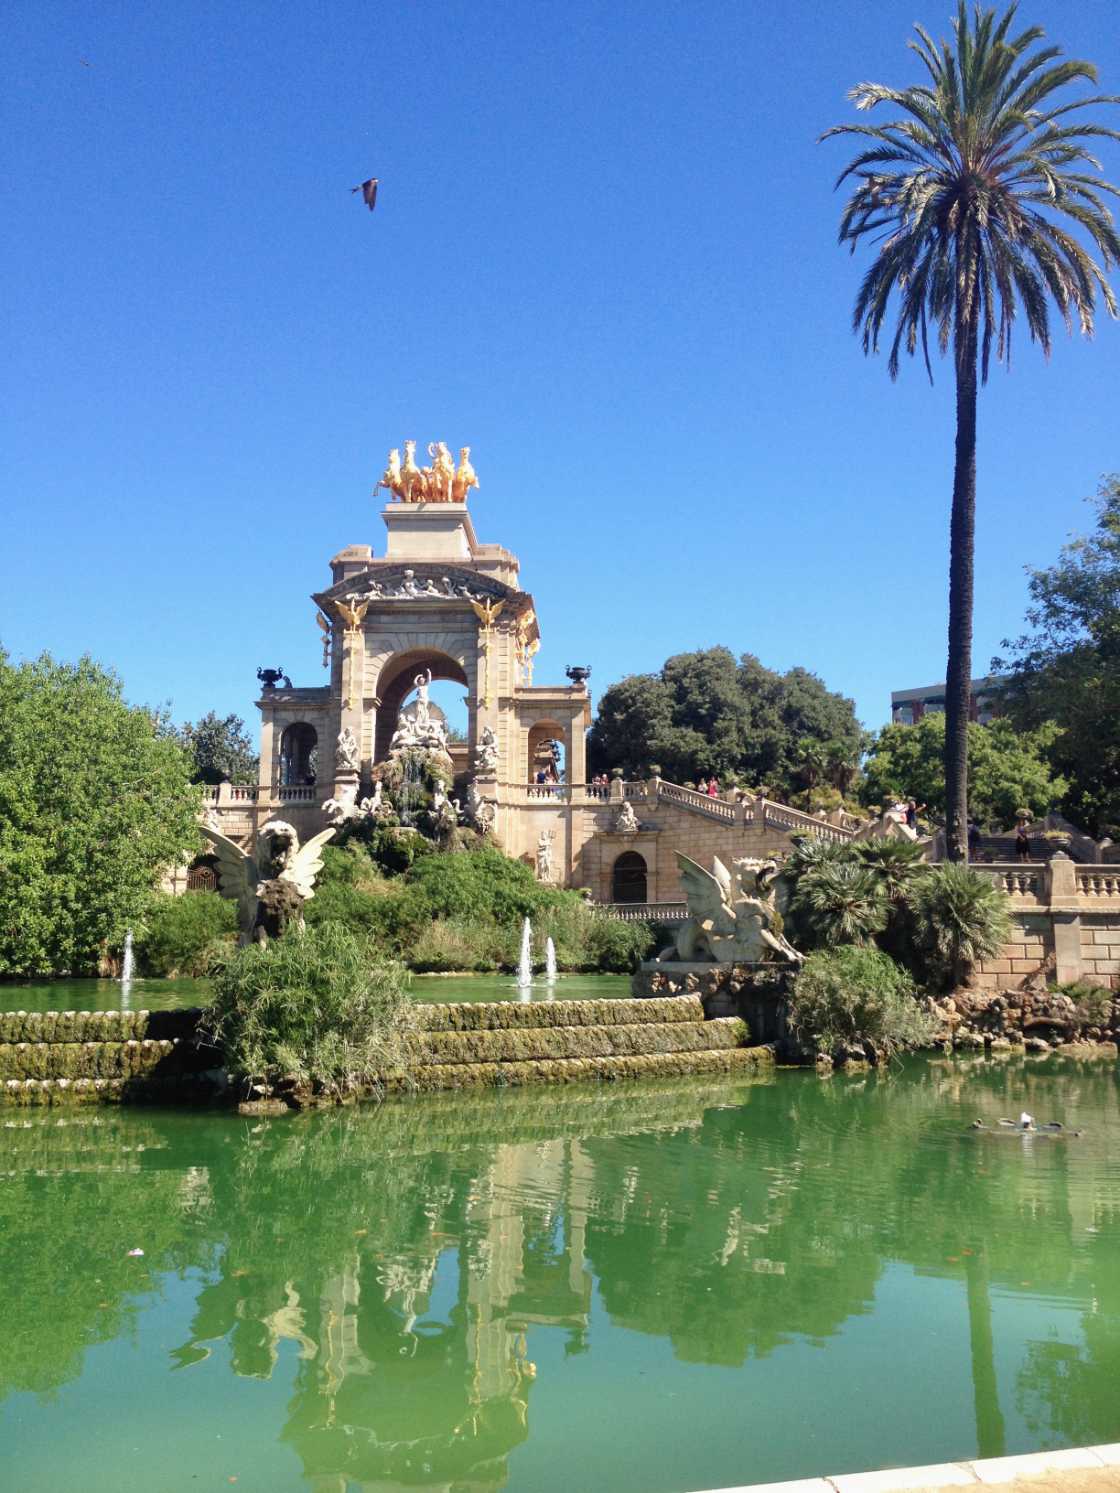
(368, 190)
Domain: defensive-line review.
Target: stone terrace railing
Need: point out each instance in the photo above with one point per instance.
(701, 803)
(796, 821)
(1098, 884)
(1023, 883)
(645, 912)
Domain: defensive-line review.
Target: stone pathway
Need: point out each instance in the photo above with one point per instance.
(1083, 1469)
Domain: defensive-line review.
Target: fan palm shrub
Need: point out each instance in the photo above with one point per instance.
(974, 194)
(960, 917)
(838, 902)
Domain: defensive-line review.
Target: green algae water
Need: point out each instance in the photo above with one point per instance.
(171, 995)
(661, 1286)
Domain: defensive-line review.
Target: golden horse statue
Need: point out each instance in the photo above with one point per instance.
(465, 478)
(412, 478)
(392, 478)
(440, 476)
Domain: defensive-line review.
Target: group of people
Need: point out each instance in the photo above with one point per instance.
(710, 786)
(600, 780)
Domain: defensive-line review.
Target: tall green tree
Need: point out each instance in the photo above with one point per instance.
(706, 712)
(1008, 769)
(1066, 671)
(974, 195)
(95, 801)
(220, 749)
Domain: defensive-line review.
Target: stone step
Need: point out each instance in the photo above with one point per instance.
(486, 1016)
(98, 1059)
(96, 1026)
(735, 1061)
(559, 1042)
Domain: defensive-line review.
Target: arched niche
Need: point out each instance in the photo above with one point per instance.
(396, 682)
(629, 878)
(541, 756)
(299, 754)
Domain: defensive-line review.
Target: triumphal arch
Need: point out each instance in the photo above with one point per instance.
(437, 604)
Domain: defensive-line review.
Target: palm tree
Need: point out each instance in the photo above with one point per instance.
(971, 194)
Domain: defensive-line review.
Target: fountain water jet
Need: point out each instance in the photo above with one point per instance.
(550, 961)
(127, 963)
(525, 961)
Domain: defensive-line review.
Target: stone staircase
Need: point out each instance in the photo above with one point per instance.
(498, 1043)
(68, 1057)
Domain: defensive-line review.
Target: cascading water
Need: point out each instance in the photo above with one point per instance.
(525, 962)
(409, 793)
(550, 961)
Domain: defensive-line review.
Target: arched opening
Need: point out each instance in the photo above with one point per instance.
(397, 682)
(203, 876)
(299, 755)
(628, 878)
(546, 764)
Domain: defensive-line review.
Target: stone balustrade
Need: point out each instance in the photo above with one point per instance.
(1066, 924)
(646, 912)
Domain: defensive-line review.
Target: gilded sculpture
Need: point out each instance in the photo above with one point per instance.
(442, 482)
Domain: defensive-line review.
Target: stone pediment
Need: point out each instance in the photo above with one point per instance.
(434, 582)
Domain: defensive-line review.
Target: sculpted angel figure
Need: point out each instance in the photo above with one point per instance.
(271, 885)
(486, 753)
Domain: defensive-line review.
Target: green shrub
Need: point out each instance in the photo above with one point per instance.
(464, 909)
(616, 947)
(959, 917)
(318, 1005)
(1092, 1004)
(181, 933)
(853, 993)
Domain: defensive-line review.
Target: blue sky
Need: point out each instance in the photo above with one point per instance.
(603, 256)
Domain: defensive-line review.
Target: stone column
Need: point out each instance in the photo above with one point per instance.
(1065, 916)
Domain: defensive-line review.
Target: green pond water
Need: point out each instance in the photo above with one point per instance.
(167, 995)
(660, 1286)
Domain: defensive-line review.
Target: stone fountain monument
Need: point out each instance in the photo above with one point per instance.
(731, 950)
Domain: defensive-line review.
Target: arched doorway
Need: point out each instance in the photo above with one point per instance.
(546, 755)
(628, 878)
(398, 680)
(299, 755)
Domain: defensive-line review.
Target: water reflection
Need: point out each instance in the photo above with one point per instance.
(402, 1271)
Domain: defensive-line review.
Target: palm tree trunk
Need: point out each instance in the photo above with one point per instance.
(962, 537)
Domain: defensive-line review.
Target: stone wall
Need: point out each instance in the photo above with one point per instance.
(1067, 926)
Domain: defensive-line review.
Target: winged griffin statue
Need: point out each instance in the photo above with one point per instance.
(271, 885)
(733, 917)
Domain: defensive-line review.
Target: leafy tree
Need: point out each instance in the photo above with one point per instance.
(220, 749)
(94, 803)
(970, 195)
(1067, 670)
(1007, 768)
(706, 713)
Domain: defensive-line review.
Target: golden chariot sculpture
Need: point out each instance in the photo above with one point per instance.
(442, 482)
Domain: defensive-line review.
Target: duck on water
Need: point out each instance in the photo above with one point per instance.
(1024, 1125)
